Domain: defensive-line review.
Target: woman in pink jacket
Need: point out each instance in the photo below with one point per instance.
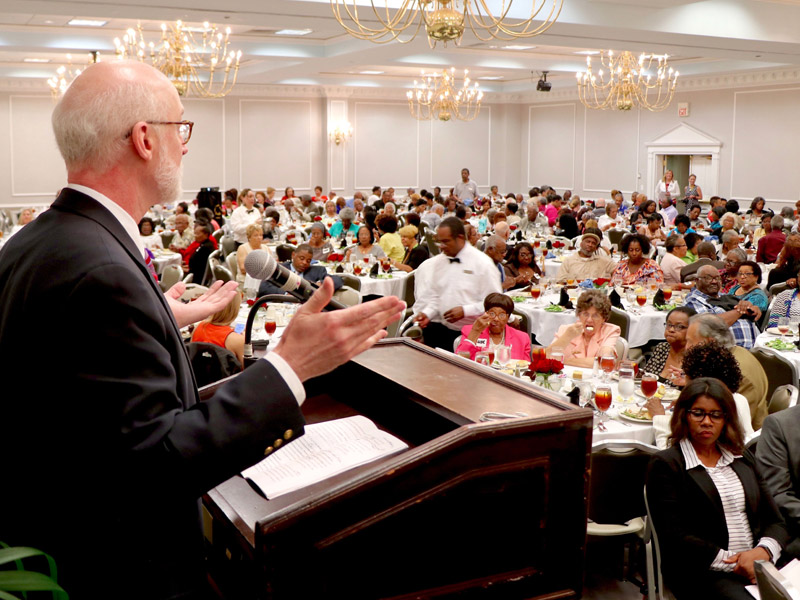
(492, 329)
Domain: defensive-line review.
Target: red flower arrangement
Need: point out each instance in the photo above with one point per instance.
(558, 244)
(546, 366)
(317, 218)
(600, 282)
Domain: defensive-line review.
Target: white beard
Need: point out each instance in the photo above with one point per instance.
(168, 180)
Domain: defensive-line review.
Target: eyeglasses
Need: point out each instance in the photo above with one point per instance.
(698, 414)
(500, 316)
(676, 327)
(711, 277)
(184, 128)
(748, 273)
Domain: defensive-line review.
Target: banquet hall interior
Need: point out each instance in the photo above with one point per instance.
(312, 106)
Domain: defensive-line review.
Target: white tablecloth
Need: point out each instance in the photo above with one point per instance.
(649, 325)
(764, 337)
(395, 286)
(164, 258)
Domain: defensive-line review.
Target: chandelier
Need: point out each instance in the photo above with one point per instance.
(65, 75)
(435, 97)
(444, 20)
(204, 65)
(646, 83)
(339, 132)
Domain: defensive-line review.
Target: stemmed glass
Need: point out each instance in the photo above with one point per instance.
(602, 400)
(783, 327)
(503, 355)
(270, 325)
(649, 385)
(607, 361)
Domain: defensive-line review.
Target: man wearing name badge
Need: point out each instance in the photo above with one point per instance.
(301, 264)
(466, 191)
(450, 287)
(242, 216)
(111, 446)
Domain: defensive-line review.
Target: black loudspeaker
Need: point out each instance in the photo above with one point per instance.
(209, 197)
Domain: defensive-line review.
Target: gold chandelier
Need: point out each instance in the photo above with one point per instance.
(435, 97)
(203, 66)
(444, 20)
(66, 74)
(630, 82)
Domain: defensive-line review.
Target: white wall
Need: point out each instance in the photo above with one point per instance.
(282, 141)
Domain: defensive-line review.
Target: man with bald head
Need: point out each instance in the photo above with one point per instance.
(112, 447)
(740, 315)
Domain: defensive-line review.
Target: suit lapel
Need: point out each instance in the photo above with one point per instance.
(703, 481)
(749, 484)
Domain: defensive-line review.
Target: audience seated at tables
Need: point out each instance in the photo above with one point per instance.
(611, 218)
(696, 222)
(147, 234)
(636, 268)
(345, 225)
(740, 315)
(683, 225)
(693, 240)
(667, 356)
(301, 264)
(492, 329)
(672, 263)
(415, 253)
(587, 262)
(704, 327)
(734, 256)
(389, 238)
(365, 247)
(748, 278)
(181, 208)
(195, 257)
(771, 243)
(450, 287)
(778, 462)
(788, 263)
(652, 228)
(184, 236)
(591, 335)
(255, 238)
(495, 248)
(521, 266)
(713, 515)
(709, 359)
(217, 329)
(320, 247)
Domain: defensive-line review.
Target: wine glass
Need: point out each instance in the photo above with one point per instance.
(667, 291)
(649, 385)
(536, 292)
(602, 399)
(783, 326)
(607, 361)
(270, 325)
(482, 358)
(503, 355)
(538, 353)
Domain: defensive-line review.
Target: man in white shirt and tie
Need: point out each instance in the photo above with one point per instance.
(244, 215)
(451, 286)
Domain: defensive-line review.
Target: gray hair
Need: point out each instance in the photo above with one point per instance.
(739, 254)
(729, 236)
(594, 299)
(305, 198)
(347, 214)
(710, 326)
(317, 225)
(787, 212)
(672, 241)
(90, 126)
(777, 222)
(490, 214)
(492, 241)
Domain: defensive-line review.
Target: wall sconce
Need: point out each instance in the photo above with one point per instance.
(340, 132)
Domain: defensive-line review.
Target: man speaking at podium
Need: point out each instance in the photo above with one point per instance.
(106, 446)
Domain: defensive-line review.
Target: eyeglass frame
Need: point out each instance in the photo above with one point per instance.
(676, 326)
(715, 415)
(182, 123)
(711, 278)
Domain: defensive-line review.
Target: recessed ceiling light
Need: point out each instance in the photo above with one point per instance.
(371, 72)
(587, 52)
(491, 77)
(293, 31)
(36, 60)
(86, 22)
(49, 22)
(518, 47)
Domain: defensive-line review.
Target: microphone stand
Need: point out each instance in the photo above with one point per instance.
(249, 359)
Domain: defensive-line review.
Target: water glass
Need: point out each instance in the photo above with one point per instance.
(503, 355)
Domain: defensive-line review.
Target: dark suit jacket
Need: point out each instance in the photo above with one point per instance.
(416, 256)
(106, 446)
(778, 461)
(314, 274)
(198, 261)
(689, 519)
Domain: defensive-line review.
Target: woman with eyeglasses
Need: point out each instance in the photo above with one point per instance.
(670, 353)
(492, 329)
(591, 335)
(748, 278)
(712, 513)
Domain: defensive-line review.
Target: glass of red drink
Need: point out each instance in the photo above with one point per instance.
(386, 266)
(641, 299)
(607, 363)
(490, 352)
(538, 352)
(667, 291)
(602, 399)
(270, 326)
(649, 385)
(536, 292)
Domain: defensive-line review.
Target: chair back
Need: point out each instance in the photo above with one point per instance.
(351, 281)
(430, 240)
(172, 274)
(166, 238)
(782, 398)
(752, 443)
(347, 296)
(621, 348)
(233, 264)
(217, 235)
(284, 252)
(228, 245)
(615, 236)
(617, 476)
(780, 370)
(221, 273)
(408, 291)
(777, 288)
(211, 363)
(772, 585)
(621, 319)
(655, 581)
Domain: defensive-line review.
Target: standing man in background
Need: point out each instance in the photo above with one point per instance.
(466, 191)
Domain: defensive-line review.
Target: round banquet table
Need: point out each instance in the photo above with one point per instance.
(164, 258)
(646, 324)
(791, 355)
(385, 284)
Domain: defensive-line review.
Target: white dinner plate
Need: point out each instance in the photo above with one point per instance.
(774, 331)
(625, 417)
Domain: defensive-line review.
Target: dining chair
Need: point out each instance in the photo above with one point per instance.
(615, 236)
(347, 296)
(232, 264)
(780, 369)
(211, 363)
(782, 398)
(430, 240)
(772, 585)
(171, 275)
(284, 252)
(622, 320)
(217, 235)
(228, 245)
(221, 273)
(616, 507)
(167, 238)
(656, 590)
(351, 281)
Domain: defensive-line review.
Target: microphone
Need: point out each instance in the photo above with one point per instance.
(260, 265)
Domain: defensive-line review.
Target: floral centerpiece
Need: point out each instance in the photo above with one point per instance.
(558, 245)
(541, 370)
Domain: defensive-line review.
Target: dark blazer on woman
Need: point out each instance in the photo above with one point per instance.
(416, 256)
(689, 519)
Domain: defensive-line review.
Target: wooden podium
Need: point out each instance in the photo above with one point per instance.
(470, 510)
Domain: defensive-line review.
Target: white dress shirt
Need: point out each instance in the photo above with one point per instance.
(441, 285)
(240, 219)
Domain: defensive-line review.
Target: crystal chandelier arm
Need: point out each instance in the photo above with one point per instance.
(480, 15)
(391, 27)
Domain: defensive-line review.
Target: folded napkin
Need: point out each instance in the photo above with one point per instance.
(616, 301)
(564, 299)
(587, 283)
(658, 299)
(339, 269)
(549, 245)
(550, 255)
(574, 396)
(373, 272)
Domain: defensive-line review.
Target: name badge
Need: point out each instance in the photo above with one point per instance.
(467, 272)
(482, 343)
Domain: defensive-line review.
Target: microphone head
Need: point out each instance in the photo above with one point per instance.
(259, 264)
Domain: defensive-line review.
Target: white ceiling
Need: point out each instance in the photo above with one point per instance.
(705, 37)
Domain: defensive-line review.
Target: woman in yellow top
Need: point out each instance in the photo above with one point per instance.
(390, 240)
